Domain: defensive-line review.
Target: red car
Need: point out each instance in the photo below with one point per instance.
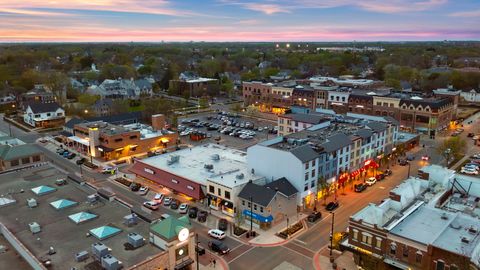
(426, 158)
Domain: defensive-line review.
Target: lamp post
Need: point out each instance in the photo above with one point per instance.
(408, 175)
(196, 250)
(331, 237)
(251, 215)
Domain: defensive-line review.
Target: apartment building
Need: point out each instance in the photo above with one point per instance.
(295, 122)
(111, 142)
(428, 222)
(195, 86)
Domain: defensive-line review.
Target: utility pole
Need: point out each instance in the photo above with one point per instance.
(196, 250)
(408, 176)
(331, 237)
(251, 215)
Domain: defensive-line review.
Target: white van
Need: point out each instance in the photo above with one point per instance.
(215, 233)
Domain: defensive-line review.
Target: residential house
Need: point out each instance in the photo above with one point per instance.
(44, 115)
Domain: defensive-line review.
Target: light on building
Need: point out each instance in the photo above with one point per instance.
(86, 111)
(183, 234)
(288, 45)
(164, 140)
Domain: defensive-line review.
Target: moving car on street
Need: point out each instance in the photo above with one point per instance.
(331, 206)
(143, 191)
(218, 234)
(314, 217)
(360, 187)
(371, 181)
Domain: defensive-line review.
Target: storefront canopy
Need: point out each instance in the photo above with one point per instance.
(79, 140)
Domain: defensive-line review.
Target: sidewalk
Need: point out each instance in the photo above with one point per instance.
(321, 260)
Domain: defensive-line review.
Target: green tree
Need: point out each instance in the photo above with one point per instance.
(87, 99)
(453, 147)
(203, 102)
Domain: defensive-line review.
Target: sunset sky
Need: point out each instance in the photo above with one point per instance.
(238, 20)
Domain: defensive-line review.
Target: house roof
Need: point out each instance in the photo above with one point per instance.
(72, 122)
(169, 228)
(8, 152)
(304, 153)
(39, 107)
(283, 186)
(261, 195)
(336, 142)
(377, 126)
(118, 118)
(308, 118)
(364, 133)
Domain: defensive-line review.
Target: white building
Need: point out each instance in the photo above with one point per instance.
(46, 115)
(471, 96)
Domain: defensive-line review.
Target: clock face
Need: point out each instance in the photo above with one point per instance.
(183, 234)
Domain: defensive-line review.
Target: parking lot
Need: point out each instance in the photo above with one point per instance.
(57, 230)
(229, 129)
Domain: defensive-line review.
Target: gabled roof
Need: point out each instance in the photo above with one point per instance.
(72, 122)
(304, 153)
(169, 228)
(260, 195)
(308, 118)
(8, 152)
(336, 142)
(377, 126)
(38, 107)
(364, 133)
(283, 186)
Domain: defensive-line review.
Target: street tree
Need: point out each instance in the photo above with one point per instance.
(453, 147)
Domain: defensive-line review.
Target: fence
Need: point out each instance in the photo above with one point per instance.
(21, 249)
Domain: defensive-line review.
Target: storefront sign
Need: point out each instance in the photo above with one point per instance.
(175, 181)
(190, 187)
(257, 216)
(147, 170)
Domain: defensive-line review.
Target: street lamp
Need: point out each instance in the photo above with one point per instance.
(331, 237)
(447, 154)
(197, 250)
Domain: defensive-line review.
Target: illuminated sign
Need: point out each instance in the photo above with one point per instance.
(175, 181)
(190, 187)
(147, 170)
(183, 234)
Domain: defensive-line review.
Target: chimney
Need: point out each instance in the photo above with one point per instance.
(158, 122)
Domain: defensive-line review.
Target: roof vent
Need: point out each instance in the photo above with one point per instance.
(215, 157)
(240, 176)
(444, 216)
(173, 159)
(472, 230)
(208, 166)
(465, 240)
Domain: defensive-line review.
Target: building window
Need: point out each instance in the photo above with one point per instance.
(313, 173)
(255, 207)
(393, 249)
(249, 205)
(25, 160)
(219, 191)
(14, 162)
(313, 163)
(306, 166)
(227, 195)
(211, 189)
(306, 176)
(440, 265)
(405, 251)
(306, 187)
(378, 243)
(355, 234)
(261, 209)
(243, 202)
(366, 239)
(418, 257)
(312, 184)
(36, 158)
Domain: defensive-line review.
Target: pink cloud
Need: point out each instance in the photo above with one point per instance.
(268, 9)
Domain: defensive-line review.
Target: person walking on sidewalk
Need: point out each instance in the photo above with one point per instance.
(214, 263)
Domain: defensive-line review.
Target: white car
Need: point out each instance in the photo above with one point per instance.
(158, 197)
(109, 170)
(476, 155)
(151, 205)
(143, 191)
(183, 209)
(215, 233)
(469, 171)
(371, 181)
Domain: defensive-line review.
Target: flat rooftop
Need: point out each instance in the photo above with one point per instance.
(227, 164)
(57, 230)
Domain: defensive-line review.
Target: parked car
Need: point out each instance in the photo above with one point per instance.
(60, 151)
(380, 176)
(410, 157)
(192, 212)
(80, 161)
(314, 216)
(426, 157)
(222, 224)
(153, 205)
(360, 187)
(167, 201)
(135, 187)
(158, 197)
(218, 234)
(65, 154)
(60, 182)
(371, 181)
(71, 155)
(202, 216)
(218, 246)
(143, 191)
(470, 135)
(387, 172)
(183, 209)
(109, 170)
(174, 204)
(403, 162)
(469, 171)
(331, 206)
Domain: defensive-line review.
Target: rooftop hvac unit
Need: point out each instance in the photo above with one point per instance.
(34, 227)
(32, 203)
(173, 159)
(99, 250)
(81, 256)
(208, 166)
(110, 263)
(135, 240)
(93, 198)
(215, 157)
(240, 176)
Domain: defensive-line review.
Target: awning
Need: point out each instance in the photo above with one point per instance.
(79, 140)
(397, 264)
(257, 216)
(227, 204)
(183, 264)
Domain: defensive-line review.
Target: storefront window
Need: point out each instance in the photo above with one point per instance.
(227, 195)
(211, 189)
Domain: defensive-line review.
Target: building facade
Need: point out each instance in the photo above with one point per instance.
(44, 115)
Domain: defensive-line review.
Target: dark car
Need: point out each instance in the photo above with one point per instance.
(222, 224)
(218, 246)
(314, 216)
(202, 216)
(135, 187)
(403, 162)
(71, 155)
(387, 172)
(410, 157)
(174, 204)
(470, 134)
(380, 176)
(81, 161)
(192, 212)
(360, 187)
(331, 206)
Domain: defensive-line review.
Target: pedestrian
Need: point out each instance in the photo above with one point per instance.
(211, 262)
(214, 263)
